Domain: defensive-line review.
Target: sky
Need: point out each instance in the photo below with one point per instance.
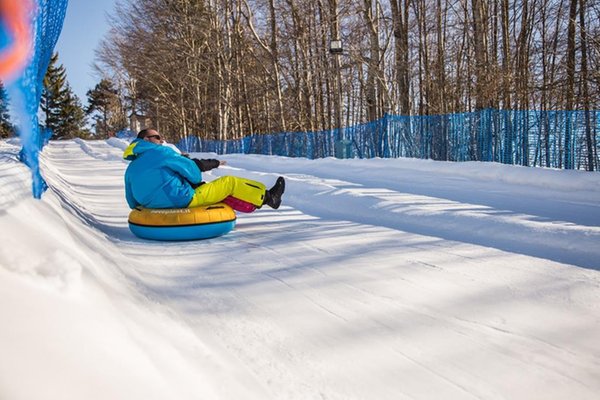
(84, 26)
(376, 279)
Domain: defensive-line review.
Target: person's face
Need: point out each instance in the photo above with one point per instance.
(154, 137)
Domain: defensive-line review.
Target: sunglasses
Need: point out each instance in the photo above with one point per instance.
(154, 137)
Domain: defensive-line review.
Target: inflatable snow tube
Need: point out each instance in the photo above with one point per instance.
(182, 223)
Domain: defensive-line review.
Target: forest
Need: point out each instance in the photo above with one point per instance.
(223, 69)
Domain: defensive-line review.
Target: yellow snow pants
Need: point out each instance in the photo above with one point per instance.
(244, 189)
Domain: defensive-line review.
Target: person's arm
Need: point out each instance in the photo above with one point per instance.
(184, 167)
(128, 195)
(208, 164)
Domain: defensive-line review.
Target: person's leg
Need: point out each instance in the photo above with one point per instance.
(244, 189)
(239, 205)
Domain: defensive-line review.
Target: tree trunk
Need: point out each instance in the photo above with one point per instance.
(570, 86)
(585, 88)
(400, 22)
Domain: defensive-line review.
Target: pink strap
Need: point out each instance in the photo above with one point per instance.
(239, 205)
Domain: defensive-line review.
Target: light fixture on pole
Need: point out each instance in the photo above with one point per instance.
(335, 47)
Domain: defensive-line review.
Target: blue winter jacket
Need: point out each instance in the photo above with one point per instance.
(158, 177)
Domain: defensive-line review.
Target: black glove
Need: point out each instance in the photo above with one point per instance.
(206, 165)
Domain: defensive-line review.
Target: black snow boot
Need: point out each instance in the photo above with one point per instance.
(273, 195)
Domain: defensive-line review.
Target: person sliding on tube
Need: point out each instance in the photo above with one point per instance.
(159, 177)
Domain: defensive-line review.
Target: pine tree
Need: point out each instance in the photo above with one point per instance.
(72, 117)
(6, 128)
(53, 93)
(62, 108)
(105, 106)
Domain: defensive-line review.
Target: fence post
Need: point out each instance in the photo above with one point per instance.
(568, 134)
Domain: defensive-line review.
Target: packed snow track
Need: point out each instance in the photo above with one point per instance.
(376, 279)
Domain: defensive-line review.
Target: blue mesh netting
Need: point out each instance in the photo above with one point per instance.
(25, 91)
(532, 138)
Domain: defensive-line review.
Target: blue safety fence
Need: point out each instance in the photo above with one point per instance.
(556, 139)
(46, 21)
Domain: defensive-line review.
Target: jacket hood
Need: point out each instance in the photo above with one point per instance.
(137, 147)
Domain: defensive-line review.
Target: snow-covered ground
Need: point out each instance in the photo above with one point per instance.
(377, 279)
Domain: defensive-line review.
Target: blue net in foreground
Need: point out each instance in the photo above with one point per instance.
(33, 25)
